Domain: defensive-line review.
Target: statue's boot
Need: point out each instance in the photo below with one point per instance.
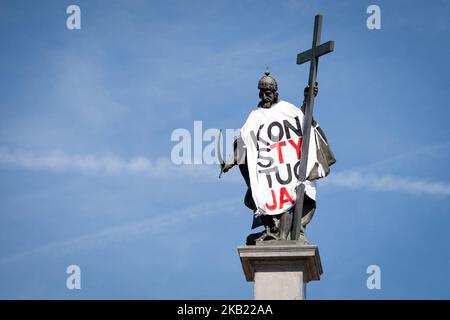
(251, 238)
(268, 234)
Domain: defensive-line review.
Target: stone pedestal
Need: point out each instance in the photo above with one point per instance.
(280, 271)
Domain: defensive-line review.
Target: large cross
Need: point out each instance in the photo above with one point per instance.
(311, 55)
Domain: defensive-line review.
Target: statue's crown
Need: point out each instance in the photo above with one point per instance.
(267, 82)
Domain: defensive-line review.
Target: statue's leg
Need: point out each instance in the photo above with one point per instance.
(268, 221)
(285, 225)
(302, 235)
(309, 207)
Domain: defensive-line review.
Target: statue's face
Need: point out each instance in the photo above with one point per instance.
(267, 98)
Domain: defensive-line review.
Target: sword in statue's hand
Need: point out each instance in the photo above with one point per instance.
(219, 153)
(225, 165)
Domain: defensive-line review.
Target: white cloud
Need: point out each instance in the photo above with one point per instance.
(59, 161)
(356, 180)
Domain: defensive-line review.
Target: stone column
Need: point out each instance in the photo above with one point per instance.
(280, 270)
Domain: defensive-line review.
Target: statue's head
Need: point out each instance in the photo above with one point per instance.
(267, 90)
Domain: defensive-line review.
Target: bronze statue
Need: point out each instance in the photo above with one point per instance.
(278, 227)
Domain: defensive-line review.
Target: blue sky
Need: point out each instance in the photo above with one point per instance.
(86, 118)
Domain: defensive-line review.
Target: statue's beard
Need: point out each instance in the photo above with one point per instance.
(267, 104)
